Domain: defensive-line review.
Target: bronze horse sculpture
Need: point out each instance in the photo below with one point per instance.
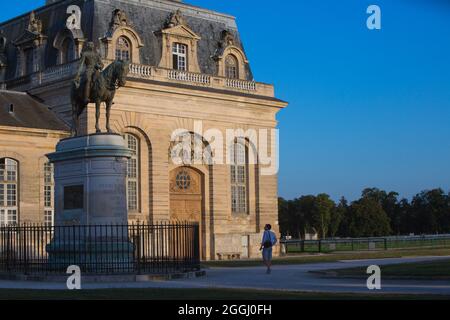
(103, 89)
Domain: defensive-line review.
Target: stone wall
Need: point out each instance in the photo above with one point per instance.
(151, 112)
(29, 147)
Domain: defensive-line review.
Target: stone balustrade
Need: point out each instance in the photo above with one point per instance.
(59, 72)
(198, 78)
(241, 84)
(138, 71)
(19, 83)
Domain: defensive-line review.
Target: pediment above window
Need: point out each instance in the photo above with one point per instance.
(32, 35)
(174, 36)
(31, 47)
(30, 38)
(69, 43)
(236, 51)
(120, 30)
(181, 31)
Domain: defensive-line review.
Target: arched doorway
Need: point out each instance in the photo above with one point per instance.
(186, 195)
(187, 198)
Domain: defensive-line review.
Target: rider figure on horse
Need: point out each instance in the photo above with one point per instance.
(91, 63)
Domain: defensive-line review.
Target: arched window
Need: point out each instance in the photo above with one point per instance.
(67, 51)
(179, 55)
(231, 67)
(239, 174)
(9, 177)
(189, 148)
(48, 194)
(123, 49)
(133, 173)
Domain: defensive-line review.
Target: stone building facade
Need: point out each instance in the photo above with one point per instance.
(188, 70)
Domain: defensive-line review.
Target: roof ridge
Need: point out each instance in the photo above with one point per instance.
(13, 92)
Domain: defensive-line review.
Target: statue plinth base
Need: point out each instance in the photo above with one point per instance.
(90, 180)
(90, 190)
(91, 255)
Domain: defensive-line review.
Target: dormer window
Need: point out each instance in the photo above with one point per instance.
(68, 43)
(231, 59)
(28, 67)
(231, 67)
(179, 45)
(179, 52)
(67, 51)
(30, 48)
(121, 41)
(123, 49)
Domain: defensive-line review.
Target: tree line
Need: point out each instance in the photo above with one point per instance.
(376, 213)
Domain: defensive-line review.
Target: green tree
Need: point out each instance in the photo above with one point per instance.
(368, 219)
(291, 215)
(284, 216)
(430, 211)
(303, 208)
(376, 213)
(338, 217)
(405, 223)
(389, 202)
(319, 218)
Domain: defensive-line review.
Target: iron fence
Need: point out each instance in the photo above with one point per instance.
(101, 249)
(365, 244)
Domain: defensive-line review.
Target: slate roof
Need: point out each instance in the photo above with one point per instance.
(28, 112)
(147, 17)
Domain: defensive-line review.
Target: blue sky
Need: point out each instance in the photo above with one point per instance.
(367, 108)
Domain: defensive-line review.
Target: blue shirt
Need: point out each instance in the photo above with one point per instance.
(269, 236)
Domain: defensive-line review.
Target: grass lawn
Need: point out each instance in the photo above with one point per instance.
(432, 270)
(332, 257)
(245, 294)
(197, 294)
(313, 247)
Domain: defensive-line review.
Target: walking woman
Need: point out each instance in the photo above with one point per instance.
(269, 239)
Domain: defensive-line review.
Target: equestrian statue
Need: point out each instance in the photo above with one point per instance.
(92, 84)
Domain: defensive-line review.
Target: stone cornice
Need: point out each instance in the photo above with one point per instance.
(33, 131)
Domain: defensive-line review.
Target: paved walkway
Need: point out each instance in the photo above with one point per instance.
(289, 277)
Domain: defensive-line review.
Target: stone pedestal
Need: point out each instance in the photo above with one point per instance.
(90, 180)
(91, 202)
